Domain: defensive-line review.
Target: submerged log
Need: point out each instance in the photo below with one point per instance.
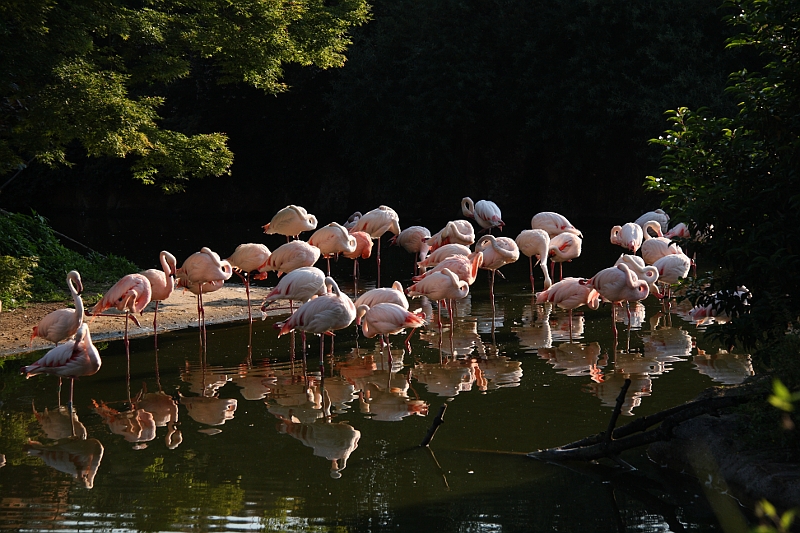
(610, 443)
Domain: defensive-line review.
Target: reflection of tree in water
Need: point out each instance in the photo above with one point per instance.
(724, 367)
(333, 441)
(575, 359)
(74, 456)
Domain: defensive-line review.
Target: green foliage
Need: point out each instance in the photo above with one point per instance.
(30, 236)
(15, 275)
(99, 76)
(772, 522)
(734, 179)
(782, 398)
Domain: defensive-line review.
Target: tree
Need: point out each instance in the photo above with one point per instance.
(102, 76)
(735, 179)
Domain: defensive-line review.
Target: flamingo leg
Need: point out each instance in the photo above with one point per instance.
(59, 391)
(329, 265)
(561, 271)
(379, 263)
(128, 359)
(570, 326)
(530, 261)
(491, 293)
(322, 355)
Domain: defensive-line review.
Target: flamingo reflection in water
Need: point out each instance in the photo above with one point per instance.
(724, 367)
(667, 344)
(535, 332)
(207, 408)
(607, 391)
(255, 382)
(496, 372)
(164, 410)
(447, 378)
(77, 457)
(136, 426)
(460, 340)
(389, 405)
(58, 424)
(575, 359)
(333, 441)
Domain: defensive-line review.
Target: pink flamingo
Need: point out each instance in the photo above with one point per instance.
(629, 236)
(485, 212)
(162, 283)
(393, 294)
(680, 231)
(454, 232)
(658, 215)
(671, 268)
(570, 293)
(73, 359)
(200, 273)
(464, 266)
(386, 319)
(376, 223)
(322, 316)
(299, 285)
(291, 221)
(363, 250)
(535, 243)
(442, 253)
(564, 247)
(619, 284)
(414, 240)
(654, 248)
(497, 252)
(291, 256)
(332, 240)
(245, 260)
(553, 224)
(642, 271)
(62, 324)
(440, 286)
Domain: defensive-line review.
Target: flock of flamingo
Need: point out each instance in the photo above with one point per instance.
(445, 268)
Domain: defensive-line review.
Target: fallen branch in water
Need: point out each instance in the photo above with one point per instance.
(612, 442)
(438, 421)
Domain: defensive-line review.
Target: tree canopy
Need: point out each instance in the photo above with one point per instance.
(101, 76)
(734, 179)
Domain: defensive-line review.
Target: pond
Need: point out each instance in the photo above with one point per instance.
(234, 437)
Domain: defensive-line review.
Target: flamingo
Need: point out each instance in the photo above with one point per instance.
(535, 243)
(73, 359)
(386, 319)
(464, 266)
(648, 273)
(658, 215)
(351, 220)
(680, 231)
(629, 236)
(291, 221)
(671, 268)
(553, 224)
(291, 256)
(200, 273)
(454, 232)
(363, 250)
(619, 284)
(564, 247)
(654, 248)
(332, 240)
(322, 316)
(393, 294)
(413, 240)
(162, 283)
(442, 253)
(485, 212)
(722, 306)
(246, 259)
(131, 294)
(299, 285)
(439, 286)
(62, 324)
(570, 293)
(497, 252)
(376, 223)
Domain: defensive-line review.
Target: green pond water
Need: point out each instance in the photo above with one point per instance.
(234, 437)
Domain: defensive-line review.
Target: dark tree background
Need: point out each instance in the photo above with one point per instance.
(535, 105)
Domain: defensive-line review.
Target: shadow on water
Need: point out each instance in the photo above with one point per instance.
(243, 437)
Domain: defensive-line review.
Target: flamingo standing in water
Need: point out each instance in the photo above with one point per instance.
(376, 223)
(658, 215)
(619, 284)
(553, 224)
(443, 285)
(246, 259)
(570, 293)
(291, 221)
(73, 359)
(485, 212)
(654, 248)
(414, 240)
(291, 256)
(393, 294)
(363, 250)
(386, 319)
(535, 243)
(299, 285)
(323, 315)
(199, 271)
(442, 253)
(454, 232)
(629, 236)
(671, 268)
(497, 252)
(564, 247)
(332, 240)
(162, 283)
(62, 324)
(464, 266)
